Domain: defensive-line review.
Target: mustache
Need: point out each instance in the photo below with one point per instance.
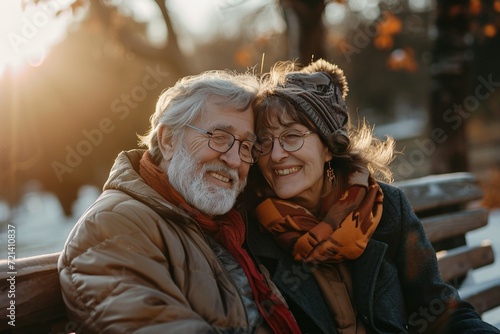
(216, 167)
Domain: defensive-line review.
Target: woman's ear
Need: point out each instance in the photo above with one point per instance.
(328, 155)
(165, 143)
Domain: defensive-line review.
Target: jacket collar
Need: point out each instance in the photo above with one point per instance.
(124, 176)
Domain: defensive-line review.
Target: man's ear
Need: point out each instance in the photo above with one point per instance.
(165, 144)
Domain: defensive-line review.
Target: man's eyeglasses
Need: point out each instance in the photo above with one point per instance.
(221, 141)
(290, 140)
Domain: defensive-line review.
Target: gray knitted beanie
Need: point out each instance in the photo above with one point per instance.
(319, 91)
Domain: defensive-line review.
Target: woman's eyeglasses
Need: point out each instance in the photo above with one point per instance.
(290, 140)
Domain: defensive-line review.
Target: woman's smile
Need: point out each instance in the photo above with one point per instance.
(287, 171)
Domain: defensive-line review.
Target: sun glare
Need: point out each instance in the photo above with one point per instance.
(197, 18)
(27, 34)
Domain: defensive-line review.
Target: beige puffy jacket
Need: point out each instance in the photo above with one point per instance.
(136, 264)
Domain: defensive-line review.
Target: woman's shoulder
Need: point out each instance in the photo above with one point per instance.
(389, 189)
(395, 205)
(393, 196)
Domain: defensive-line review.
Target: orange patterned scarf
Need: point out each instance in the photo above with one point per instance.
(342, 235)
(229, 231)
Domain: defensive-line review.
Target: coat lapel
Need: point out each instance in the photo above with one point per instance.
(294, 279)
(365, 272)
(297, 283)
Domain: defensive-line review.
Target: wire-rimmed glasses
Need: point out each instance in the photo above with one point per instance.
(290, 140)
(221, 141)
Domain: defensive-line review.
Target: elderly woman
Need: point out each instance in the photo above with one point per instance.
(345, 248)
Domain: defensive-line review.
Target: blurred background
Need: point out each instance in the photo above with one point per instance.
(79, 80)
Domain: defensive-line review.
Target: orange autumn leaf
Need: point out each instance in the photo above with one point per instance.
(475, 7)
(496, 6)
(489, 30)
(383, 42)
(391, 25)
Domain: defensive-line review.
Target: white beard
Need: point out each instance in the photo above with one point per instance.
(187, 177)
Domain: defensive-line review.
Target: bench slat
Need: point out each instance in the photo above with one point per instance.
(38, 300)
(445, 226)
(434, 191)
(457, 262)
(484, 296)
(33, 264)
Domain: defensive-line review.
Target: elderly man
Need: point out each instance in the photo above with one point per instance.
(161, 249)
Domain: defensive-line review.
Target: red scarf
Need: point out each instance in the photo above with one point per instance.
(229, 231)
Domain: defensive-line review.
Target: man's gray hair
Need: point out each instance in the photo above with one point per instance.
(180, 104)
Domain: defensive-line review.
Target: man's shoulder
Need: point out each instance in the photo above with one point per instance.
(114, 207)
(116, 216)
(117, 206)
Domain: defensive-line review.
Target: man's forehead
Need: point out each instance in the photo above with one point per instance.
(219, 113)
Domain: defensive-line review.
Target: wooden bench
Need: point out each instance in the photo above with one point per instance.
(443, 202)
(39, 306)
(447, 205)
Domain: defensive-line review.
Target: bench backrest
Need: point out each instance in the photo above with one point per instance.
(447, 205)
(38, 307)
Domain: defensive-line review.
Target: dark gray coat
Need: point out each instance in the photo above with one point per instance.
(396, 282)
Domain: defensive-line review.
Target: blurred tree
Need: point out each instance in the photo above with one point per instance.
(305, 29)
(451, 73)
(108, 14)
(464, 75)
